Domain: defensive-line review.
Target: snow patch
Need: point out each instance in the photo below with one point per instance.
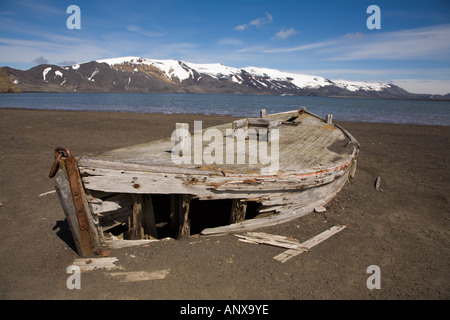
(44, 73)
(299, 80)
(357, 85)
(58, 74)
(93, 74)
(76, 67)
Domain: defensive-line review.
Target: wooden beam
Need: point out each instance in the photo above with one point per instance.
(238, 210)
(85, 237)
(179, 215)
(135, 230)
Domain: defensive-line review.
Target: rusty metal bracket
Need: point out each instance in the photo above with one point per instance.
(59, 153)
(87, 241)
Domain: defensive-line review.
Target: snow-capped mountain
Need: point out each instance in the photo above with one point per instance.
(136, 74)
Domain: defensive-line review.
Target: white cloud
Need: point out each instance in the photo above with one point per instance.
(284, 34)
(421, 43)
(428, 43)
(241, 27)
(258, 22)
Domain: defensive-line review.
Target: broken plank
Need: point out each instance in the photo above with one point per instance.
(133, 276)
(47, 193)
(270, 239)
(308, 244)
(115, 243)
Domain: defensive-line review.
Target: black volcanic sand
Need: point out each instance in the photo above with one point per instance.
(403, 229)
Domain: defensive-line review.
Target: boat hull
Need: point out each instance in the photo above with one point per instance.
(140, 187)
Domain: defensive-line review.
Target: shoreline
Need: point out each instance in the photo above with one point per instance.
(405, 230)
(344, 97)
(206, 115)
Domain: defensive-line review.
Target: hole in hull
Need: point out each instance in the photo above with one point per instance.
(202, 214)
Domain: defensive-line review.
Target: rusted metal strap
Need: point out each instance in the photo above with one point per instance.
(65, 160)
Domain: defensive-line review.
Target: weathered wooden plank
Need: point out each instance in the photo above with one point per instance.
(122, 181)
(89, 232)
(65, 198)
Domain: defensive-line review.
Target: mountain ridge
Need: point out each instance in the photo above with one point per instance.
(137, 74)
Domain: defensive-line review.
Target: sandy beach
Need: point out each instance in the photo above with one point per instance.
(403, 229)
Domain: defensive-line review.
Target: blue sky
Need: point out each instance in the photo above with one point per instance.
(326, 38)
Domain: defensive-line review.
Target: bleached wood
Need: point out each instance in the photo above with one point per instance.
(270, 239)
(47, 193)
(115, 243)
(134, 276)
(308, 244)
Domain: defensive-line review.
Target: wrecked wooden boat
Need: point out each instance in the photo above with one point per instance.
(248, 174)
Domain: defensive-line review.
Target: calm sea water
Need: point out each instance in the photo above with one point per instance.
(343, 109)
